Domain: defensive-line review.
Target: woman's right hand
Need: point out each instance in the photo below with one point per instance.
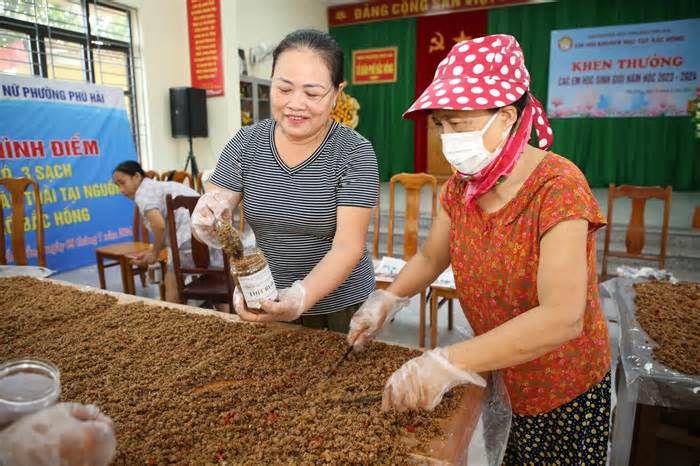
(212, 206)
(380, 306)
(66, 433)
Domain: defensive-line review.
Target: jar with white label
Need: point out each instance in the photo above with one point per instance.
(253, 277)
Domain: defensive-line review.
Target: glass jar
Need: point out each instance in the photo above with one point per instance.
(253, 277)
(154, 274)
(26, 386)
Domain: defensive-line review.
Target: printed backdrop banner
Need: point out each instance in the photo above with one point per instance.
(632, 70)
(68, 137)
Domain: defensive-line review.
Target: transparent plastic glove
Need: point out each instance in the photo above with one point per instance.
(212, 206)
(63, 434)
(380, 307)
(289, 306)
(421, 382)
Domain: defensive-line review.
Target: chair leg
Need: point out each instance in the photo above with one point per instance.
(428, 299)
(161, 287)
(421, 320)
(101, 270)
(142, 276)
(127, 276)
(450, 316)
(433, 320)
(123, 265)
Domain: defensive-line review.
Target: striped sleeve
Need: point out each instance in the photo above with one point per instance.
(229, 172)
(359, 181)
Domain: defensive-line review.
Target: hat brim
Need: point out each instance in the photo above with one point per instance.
(466, 94)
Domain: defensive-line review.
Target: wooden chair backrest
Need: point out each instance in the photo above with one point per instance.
(140, 230)
(200, 251)
(635, 237)
(375, 236)
(178, 177)
(241, 218)
(17, 187)
(199, 183)
(412, 183)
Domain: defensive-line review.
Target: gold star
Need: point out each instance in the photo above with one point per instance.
(461, 37)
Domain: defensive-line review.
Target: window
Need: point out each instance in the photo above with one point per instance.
(78, 40)
(15, 53)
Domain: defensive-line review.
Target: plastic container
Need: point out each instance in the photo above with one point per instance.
(253, 276)
(154, 274)
(26, 386)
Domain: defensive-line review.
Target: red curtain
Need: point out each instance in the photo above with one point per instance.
(435, 36)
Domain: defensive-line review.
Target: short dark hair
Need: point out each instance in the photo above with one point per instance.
(519, 104)
(130, 167)
(320, 42)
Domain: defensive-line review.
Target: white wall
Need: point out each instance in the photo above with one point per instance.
(161, 48)
(269, 21)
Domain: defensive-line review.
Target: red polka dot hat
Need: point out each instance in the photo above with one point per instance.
(483, 73)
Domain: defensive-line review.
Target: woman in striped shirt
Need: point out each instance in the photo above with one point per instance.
(309, 185)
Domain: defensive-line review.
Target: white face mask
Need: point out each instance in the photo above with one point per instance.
(466, 152)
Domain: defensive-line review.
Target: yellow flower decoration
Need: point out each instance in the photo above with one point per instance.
(346, 110)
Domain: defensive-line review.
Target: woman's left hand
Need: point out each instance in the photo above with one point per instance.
(421, 382)
(290, 305)
(145, 258)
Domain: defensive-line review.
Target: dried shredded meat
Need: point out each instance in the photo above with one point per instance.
(670, 315)
(191, 389)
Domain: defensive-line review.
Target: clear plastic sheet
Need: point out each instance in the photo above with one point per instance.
(654, 383)
(490, 437)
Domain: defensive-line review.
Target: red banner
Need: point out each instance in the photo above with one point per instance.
(374, 66)
(206, 56)
(380, 10)
(435, 36)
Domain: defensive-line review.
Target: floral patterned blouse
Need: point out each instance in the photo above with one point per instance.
(494, 258)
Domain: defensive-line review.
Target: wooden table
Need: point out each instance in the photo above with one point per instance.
(448, 449)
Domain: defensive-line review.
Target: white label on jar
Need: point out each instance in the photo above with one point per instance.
(258, 287)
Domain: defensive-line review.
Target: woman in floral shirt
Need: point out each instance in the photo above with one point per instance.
(518, 226)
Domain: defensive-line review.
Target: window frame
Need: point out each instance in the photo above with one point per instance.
(39, 33)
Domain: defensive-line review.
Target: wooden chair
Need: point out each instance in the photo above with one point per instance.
(178, 177)
(199, 183)
(17, 187)
(241, 218)
(412, 183)
(152, 174)
(376, 214)
(634, 240)
(119, 254)
(212, 284)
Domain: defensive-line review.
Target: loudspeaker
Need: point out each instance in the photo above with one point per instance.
(188, 112)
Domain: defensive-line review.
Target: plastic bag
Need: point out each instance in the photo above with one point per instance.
(657, 384)
(490, 437)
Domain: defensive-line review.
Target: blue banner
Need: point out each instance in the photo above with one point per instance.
(633, 70)
(68, 137)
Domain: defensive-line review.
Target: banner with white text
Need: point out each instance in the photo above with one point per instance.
(632, 70)
(68, 137)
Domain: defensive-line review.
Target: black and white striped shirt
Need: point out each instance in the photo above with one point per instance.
(293, 211)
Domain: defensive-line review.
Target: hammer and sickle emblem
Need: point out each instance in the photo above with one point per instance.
(437, 42)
